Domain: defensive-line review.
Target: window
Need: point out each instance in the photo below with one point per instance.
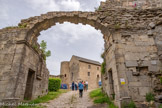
(98, 76)
(65, 75)
(88, 73)
(89, 66)
(97, 68)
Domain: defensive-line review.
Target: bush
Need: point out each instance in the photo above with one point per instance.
(160, 106)
(131, 104)
(149, 97)
(100, 98)
(161, 79)
(54, 84)
(103, 67)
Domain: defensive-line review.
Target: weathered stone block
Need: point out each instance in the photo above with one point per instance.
(153, 68)
(131, 63)
(130, 77)
(135, 84)
(144, 90)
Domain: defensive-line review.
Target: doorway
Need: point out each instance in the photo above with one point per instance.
(29, 85)
(111, 84)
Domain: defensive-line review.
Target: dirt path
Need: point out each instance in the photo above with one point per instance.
(70, 100)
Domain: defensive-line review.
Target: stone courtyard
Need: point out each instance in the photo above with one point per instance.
(133, 51)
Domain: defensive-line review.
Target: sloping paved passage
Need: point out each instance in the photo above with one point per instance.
(70, 100)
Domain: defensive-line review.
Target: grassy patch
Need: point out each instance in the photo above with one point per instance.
(100, 98)
(150, 97)
(43, 99)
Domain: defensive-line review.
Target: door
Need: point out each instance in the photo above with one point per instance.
(29, 85)
(111, 83)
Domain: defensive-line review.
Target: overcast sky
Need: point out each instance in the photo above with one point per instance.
(64, 40)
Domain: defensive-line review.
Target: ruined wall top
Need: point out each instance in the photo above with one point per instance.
(130, 4)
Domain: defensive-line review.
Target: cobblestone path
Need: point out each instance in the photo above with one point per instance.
(70, 100)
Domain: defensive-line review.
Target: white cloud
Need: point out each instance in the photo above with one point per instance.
(71, 5)
(44, 5)
(102, 0)
(4, 11)
(52, 5)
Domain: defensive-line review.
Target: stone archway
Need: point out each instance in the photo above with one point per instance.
(25, 54)
(129, 45)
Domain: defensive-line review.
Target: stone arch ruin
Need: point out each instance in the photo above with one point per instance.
(132, 54)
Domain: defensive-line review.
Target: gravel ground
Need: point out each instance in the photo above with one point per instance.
(71, 100)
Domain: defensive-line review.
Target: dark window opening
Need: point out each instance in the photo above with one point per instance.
(98, 76)
(65, 75)
(89, 66)
(97, 68)
(88, 73)
(141, 70)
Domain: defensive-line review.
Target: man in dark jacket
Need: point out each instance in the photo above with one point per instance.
(81, 86)
(73, 84)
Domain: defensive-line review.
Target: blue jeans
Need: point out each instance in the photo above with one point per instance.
(81, 93)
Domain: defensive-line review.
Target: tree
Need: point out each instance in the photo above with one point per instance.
(43, 46)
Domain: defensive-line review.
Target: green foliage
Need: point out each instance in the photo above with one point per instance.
(100, 98)
(43, 46)
(48, 53)
(10, 27)
(129, 105)
(160, 106)
(160, 79)
(113, 96)
(22, 25)
(150, 97)
(103, 55)
(97, 9)
(43, 99)
(35, 47)
(54, 84)
(96, 93)
(103, 65)
(112, 106)
(117, 26)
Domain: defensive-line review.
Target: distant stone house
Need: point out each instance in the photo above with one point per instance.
(81, 69)
(54, 76)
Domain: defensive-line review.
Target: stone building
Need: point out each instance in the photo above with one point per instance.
(54, 76)
(133, 51)
(81, 69)
(23, 72)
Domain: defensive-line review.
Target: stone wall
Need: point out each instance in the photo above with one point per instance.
(10, 57)
(110, 77)
(133, 51)
(76, 70)
(16, 58)
(95, 74)
(65, 73)
(130, 4)
(135, 57)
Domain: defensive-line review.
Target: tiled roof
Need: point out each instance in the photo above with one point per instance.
(87, 60)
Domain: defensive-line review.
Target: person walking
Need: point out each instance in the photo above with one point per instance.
(76, 86)
(86, 85)
(73, 84)
(81, 86)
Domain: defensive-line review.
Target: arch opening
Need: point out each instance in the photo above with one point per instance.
(81, 40)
